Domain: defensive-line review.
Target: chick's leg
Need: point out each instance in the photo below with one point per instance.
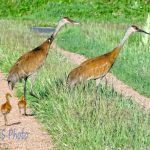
(5, 120)
(96, 88)
(25, 111)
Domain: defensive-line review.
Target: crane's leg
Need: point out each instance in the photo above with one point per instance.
(25, 111)
(95, 101)
(19, 110)
(5, 120)
(33, 77)
(106, 81)
(96, 88)
(25, 84)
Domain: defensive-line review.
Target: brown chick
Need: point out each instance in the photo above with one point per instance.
(22, 104)
(6, 107)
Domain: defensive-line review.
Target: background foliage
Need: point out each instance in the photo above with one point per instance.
(99, 10)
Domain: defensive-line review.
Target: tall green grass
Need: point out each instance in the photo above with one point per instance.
(93, 39)
(70, 116)
(104, 10)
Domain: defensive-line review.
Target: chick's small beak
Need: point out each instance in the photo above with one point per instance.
(140, 30)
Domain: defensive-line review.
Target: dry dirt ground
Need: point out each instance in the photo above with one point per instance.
(23, 132)
(111, 80)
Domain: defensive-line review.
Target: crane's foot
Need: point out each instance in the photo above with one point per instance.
(19, 111)
(6, 124)
(32, 94)
(25, 114)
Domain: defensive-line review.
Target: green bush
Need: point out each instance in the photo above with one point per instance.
(104, 10)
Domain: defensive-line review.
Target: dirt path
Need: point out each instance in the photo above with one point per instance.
(118, 85)
(23, 132)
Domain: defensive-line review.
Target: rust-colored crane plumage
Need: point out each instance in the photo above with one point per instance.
(98, 67)
(6, 107)
(28, 64)
(22, 105)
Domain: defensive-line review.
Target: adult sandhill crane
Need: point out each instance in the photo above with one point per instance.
(30, 62)
(96, 68)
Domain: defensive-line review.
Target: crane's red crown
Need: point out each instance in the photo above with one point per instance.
(135, 27)
(67, 19)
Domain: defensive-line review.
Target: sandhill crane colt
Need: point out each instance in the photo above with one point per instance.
(6, 107)
(22, 105)
(30, 62)
(96, 68)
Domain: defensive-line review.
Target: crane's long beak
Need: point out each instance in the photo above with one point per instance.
(74, 22)
(140, 30)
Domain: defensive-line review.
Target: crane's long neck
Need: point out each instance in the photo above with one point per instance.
(116, 50)
(45, 45)
(127, 34)
(57, 30)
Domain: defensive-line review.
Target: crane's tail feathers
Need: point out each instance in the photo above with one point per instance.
(71, 83)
